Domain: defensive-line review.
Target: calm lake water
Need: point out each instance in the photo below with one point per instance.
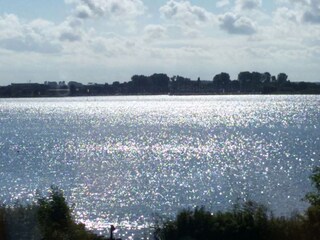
(122, 159)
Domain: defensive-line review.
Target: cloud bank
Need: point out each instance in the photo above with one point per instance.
(185, 13)
(113, 9)
(235, 24)
(96, 40)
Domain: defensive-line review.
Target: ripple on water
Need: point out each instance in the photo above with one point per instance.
(122, 159)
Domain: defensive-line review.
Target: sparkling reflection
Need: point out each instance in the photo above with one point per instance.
(122, 159)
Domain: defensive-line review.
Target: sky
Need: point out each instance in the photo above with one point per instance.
(103, 41)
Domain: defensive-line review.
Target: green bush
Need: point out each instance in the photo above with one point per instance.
(48, 219)
(246, 221)
(51, 219)
(2, 223)
(56, 221)
(314, 197)
(312, 218)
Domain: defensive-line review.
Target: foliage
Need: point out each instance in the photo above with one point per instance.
(314, 197)
(2, 224)
(55, 219)
(51, 219)
(159, 83)
(48, 219)
(246, 221)
(312, 221)
(20, 222)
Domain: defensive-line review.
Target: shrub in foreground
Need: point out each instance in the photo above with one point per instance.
(2, 224)
(56, 221)
(247, 221)
(48, 219)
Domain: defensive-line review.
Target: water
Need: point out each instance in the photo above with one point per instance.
(122, 159)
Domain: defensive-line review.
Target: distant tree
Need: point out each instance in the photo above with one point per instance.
(160, 82)
(302, 86)
(108, 89)
(156, 83)
(235, 86)
(221, 82)
(244, 79)
(116, 84)
(198, 83)
(256, 81)
(251, 82)
(141, 83)
(256, 77)
(181, 79)
(266, 77)
(179, 84)
(282, 78)
(73, 89)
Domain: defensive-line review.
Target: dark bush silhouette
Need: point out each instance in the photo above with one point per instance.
(247, 221)
(51, 219)
(2, 224)
(312, 219)
(20, 222)
(55, 219)
(48, 219)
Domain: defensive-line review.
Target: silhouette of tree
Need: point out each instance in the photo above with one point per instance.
(282, 78)
(221, 82)
(160, 82)
(244, 79)
(266, 77)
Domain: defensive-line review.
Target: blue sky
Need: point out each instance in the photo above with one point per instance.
(111, 40)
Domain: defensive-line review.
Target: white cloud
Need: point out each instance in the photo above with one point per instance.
(70, 30)
(10, 26)
(248, 4)
(70, 36)
(308, 11)
(35, 36)
(284, 14)
(107, 52)
(236, 24)
(183, 12)
(154, 32)
(39, 35)
(83, 12)
(312, 14)
(222, 3)
(113, 9)
(111, 46)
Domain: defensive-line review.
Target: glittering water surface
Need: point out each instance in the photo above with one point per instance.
(122, 159)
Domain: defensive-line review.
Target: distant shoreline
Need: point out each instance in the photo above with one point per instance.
(248, 83)
(182, 94)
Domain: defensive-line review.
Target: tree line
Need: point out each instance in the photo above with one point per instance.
(160, 83)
